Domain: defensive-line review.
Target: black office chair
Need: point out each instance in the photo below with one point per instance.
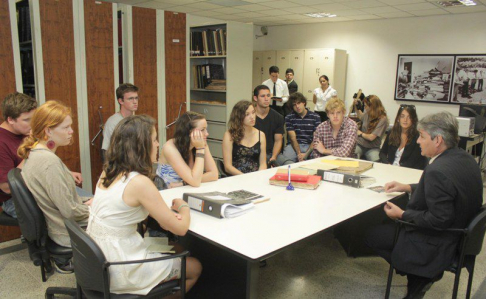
(221, 170)
(470, 246)
(92, 269)
(34, 230)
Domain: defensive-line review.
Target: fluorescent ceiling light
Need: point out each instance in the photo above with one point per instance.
(320, 15)
(456, 3)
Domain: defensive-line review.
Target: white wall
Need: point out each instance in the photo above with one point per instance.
(373, 47)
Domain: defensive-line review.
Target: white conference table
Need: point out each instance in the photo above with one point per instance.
(289, 216)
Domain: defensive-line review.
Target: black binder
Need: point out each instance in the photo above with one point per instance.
(202, 202)
(356, 181)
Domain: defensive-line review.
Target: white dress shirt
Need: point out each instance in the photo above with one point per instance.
(323, 96)
(281, 89)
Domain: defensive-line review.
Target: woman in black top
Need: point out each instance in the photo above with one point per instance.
(400, 146)
(244, 147)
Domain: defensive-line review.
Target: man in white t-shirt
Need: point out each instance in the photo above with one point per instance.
(127, 95)
(278, 89)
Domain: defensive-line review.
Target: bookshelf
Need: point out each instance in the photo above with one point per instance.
(228, 58)
(25, 47)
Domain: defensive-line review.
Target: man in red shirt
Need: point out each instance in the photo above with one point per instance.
(17, 110)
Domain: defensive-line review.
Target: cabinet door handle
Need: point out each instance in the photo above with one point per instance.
(309, 91)
(205, 111)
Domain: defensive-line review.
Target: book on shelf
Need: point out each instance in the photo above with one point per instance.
(208, 74)
(223, 205)
(208, 42)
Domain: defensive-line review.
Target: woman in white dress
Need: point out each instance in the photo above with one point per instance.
(126, 195)
(322, 95)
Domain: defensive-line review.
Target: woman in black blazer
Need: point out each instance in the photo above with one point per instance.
(400, 146)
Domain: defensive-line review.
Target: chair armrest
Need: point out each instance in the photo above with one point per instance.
(183, 254)
(451, 230)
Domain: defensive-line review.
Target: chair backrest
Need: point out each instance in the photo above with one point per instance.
(88, 260)
(31, 219)
(220, 166)
(476, 230)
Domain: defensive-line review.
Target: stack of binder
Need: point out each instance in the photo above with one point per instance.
(208, 42)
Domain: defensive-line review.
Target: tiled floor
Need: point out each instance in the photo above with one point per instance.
(318, 268)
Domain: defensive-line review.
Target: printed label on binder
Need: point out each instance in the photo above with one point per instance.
(195, 203)
(334, 177)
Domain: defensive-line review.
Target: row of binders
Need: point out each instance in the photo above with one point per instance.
(208, 76)
(208, 42)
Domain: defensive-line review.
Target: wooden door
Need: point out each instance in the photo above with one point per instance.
(269, 59)
(56, 18)
(283, 62)
(175, 66)
(144, 28)
(297, 64)
(98, 24)
(257, 68)
(7, 75)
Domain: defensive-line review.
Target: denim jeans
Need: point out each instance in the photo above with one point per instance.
(9, 208)
(370, 154)
(289, 156)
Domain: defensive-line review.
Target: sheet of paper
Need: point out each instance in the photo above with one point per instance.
(319, 165)
(379, 189)
(218, 197)
(293, 171)
(344, 163)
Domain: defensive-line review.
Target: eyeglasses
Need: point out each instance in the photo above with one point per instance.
(402, 106)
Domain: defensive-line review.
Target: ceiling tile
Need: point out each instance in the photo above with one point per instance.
(276, 19)
(204, 6)
(467, 9)
(297, 17)
(364, 4)
(207, 13)
(228, 10)
(155, 5)
(349, 12)
(185, 9)
(311, 2)
(274, 12)
(253, 7)
(391, 15)
(228, 3)
(417, 6)
(178, 2)
(281, 4)
(430, 12)
(399, 2)
(250, 14)
(258, 1)
(382, 9)
(339, 19)
(231, 17)
(365, 17)
(301, 9)
(331, 7)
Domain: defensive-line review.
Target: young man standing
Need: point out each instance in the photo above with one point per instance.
(301, 124)
(336, 136)
(278, 88)
(127, 96)
(269, 122)
(292, 86)
(17, 110)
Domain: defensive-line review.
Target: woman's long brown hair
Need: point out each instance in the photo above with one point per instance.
(235, 123)
(130, 149)
(396, 132)
(375, 113)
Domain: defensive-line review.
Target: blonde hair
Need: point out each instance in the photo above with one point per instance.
(335, 103)
(49, 115)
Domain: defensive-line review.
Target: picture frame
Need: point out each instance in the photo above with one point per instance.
(424, 78)
(469, 77)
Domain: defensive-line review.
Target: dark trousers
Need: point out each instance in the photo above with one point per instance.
(323, 115)
(380, 238)
(480, 85)
(465, 89)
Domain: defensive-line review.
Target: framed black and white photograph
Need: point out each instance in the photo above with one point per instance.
(424, 78)
(469, 75)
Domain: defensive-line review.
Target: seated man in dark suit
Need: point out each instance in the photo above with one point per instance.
(448, 195)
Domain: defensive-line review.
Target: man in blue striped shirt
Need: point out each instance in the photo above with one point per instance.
(301, 124)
